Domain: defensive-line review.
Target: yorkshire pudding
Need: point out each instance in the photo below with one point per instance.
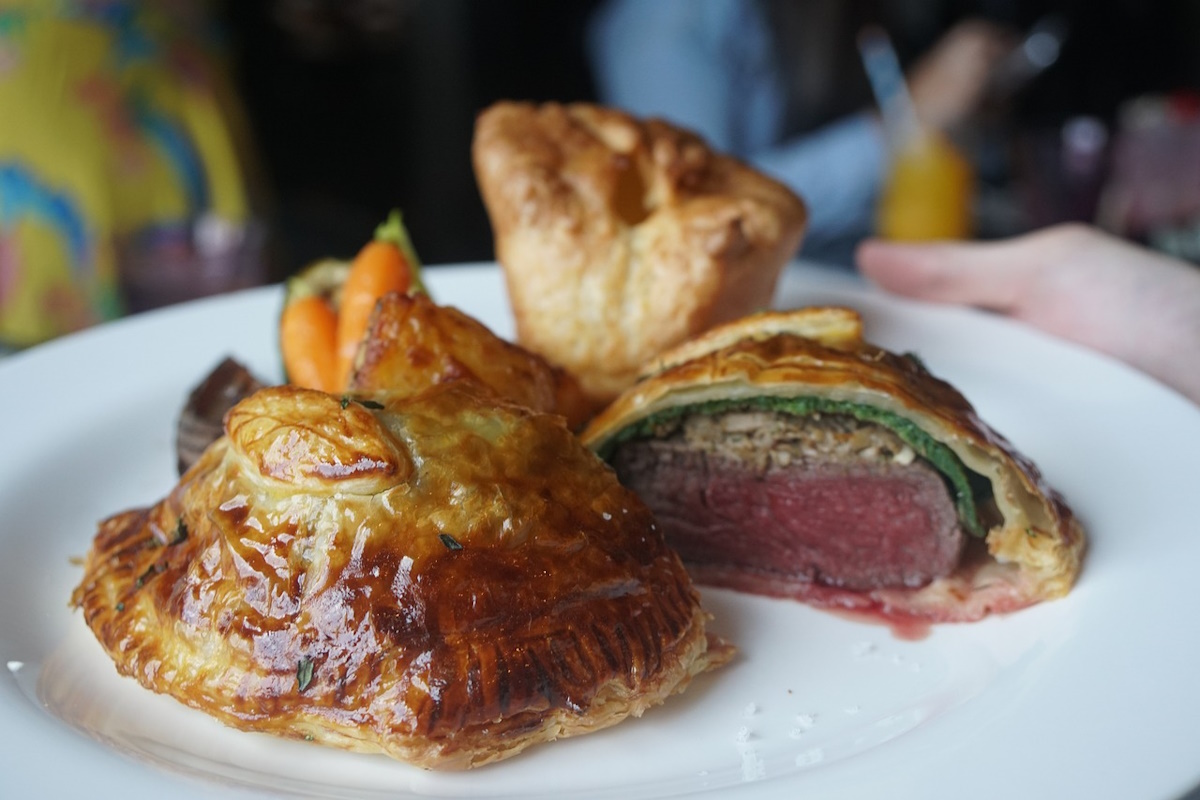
(622, 237)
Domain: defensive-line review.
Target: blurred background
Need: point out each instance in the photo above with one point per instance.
(278, 132)
(361, 105)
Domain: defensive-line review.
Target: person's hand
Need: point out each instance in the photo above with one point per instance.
(1072, 281)
(948, 83)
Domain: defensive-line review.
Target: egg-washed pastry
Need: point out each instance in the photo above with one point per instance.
(413, 343)
(621, 237)
(445, 578)
(786, 456)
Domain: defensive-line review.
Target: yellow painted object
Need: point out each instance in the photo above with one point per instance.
(115, 120)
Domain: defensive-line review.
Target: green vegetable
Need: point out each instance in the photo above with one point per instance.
(939, 455)
(304, 673)
(392, 230)
(150, 572)
(371, 404)
(324, 278)
(181, 532)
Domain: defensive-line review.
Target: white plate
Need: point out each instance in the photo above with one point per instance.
(1092, 696)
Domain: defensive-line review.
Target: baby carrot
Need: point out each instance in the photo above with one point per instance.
(380, 267)
(307, 333)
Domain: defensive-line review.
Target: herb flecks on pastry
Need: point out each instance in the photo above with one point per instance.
(446, 578)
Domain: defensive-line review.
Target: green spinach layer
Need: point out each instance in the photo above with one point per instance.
(939, 455)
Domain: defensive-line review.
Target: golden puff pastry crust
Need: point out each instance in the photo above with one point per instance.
(413, 343)
(622, 237)
(1034, 542)
(442, 578)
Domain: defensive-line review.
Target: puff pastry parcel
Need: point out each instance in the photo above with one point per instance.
(444, 578)
(410, 345)
(413, 343)
(621, 237)
(785, 455)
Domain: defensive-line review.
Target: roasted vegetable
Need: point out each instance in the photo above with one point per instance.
(327, 306)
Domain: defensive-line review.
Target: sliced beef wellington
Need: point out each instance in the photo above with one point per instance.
(784, 455)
